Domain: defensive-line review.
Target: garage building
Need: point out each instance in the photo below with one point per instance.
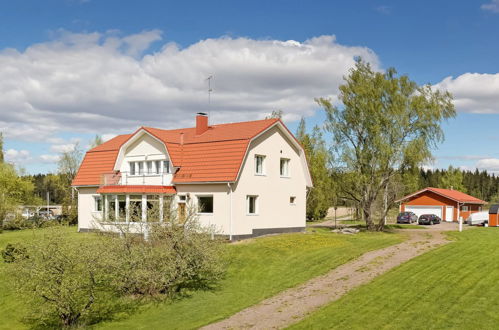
(448, 204)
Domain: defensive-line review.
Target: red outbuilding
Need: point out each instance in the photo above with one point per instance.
(448, 204)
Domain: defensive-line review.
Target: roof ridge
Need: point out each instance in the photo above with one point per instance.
(215, 125)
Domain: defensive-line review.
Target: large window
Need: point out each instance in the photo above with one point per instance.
(259, 164)
(132, 168)
(166, 166)
(252, 207)
(205, 204)
(140, 167)
(157, 167)
(97, 203)
(135, 212)
(153, 208)
(149, 167)
(284, 167)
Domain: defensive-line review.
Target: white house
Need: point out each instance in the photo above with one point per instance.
(245, 179)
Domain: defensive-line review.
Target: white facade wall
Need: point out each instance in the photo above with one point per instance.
(273, 202)
(88, 217)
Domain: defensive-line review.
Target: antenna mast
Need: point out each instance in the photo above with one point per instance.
(209, 94)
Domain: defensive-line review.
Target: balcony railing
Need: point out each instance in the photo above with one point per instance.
(142, 178)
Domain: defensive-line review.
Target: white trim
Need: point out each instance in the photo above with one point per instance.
(257, 206)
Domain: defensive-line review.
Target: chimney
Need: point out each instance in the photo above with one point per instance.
(201, 123)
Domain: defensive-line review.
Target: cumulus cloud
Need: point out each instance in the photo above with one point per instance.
(474, 92)
(47, 158)
(488, 164)
(492, 6)
(18, 157)
(103, 82)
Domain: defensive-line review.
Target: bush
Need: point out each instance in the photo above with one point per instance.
(64, 281)
(12, 253)
(72, 282)
(174, 257)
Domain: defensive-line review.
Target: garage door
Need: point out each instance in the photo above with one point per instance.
(424, 210)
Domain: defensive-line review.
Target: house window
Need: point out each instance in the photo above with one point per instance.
(97, 203)
(166, 166)
(205, 204)
(292, 200)
(152, 208)
(132, 168)
(259, 168)
(284, 167)
(149, 167)
(464, 208)
(182, 198)
(140, 168)
(252, 204)
(135, 211)
(157, 167)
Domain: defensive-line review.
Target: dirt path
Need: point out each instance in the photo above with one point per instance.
(290, 306)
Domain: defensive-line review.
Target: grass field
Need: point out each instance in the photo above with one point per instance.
(455, 286)
(258, 269)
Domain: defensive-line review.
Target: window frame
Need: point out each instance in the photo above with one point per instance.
(132, 168)
(255, 206)
(199, 204)
(166, 170)
(463, 208)
(262, 157)
(287, 161)
(96, 208)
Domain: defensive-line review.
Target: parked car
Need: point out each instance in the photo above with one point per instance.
(429, 219)
(46, 214)
(407, 217)
(478, 218)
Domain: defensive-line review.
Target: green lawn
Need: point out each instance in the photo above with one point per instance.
(258, 269)
(455, 286)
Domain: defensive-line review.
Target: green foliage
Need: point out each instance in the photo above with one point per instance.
(452, 179)
(451, 287)
(322, 196)
(387, 123)
(2, 159)
(276, 114)
(64, 281)
(12, 253)
(96, 141)
(14, 191)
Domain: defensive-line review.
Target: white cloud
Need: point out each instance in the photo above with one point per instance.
(107, 137)
(474, 92)
(94, 83)
(489, 164)
(59, 148)
(49, 158)
(18, 157)
(492, 6)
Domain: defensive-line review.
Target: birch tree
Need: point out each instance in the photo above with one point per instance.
(386, 124)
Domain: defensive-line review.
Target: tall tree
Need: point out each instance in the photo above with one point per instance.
(14, 191)
(96, 141)
(275, 114)
(1, 148)
(322, 195)
(387, 124)
(452, 179)
(69, 162)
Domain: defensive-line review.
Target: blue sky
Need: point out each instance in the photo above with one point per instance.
(71, 69)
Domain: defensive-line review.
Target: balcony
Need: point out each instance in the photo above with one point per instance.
(144, 178)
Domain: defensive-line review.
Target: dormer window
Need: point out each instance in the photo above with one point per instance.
(157, 167)
(166, 166)
(149, 167)
(132, 168)
(140, 167)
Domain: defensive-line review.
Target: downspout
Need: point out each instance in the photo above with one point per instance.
(230, 210)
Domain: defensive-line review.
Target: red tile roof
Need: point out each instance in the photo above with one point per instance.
(214, 156)
(137, 189)
(449, 193)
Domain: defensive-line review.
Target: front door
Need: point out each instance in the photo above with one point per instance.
(449, 213)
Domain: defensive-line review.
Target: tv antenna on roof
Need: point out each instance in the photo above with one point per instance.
(210, 77)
